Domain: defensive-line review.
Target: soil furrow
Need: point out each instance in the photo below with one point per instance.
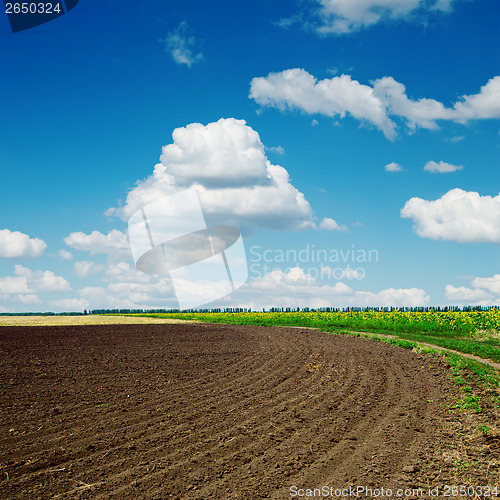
(180, 411)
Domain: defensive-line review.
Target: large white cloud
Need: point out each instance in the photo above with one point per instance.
(237, 185)
(375, 104)
(340, 95)
(345, 16)
(14, 244)
(463, 216)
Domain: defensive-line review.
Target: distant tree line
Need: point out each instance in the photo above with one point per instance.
(244, 310)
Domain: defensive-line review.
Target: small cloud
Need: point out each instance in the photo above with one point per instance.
(441, 167)
(69, 305)
(278, 150)
(97, 243)
(358, 224)
(64, 254)
(287, 22)
(457, 138)
(179, 44)
(84, 268)
(442, 5)
(330, 225)
(393, 167)
(314, 123)
(332, 71)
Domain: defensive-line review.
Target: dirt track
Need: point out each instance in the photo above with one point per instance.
(212, 411)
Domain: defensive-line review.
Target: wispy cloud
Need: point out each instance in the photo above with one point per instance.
(180, 44)
(276, 149)
(457, 138)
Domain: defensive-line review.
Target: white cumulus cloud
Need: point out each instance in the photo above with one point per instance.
(482, 292)
(14, 244)
(377, 104)
(237, 185)
(467, 296)
(26, 283)
(337, 96)
(41, 281)
(486, 104)
(462, 216)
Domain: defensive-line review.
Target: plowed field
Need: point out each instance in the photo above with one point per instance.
(211, 411)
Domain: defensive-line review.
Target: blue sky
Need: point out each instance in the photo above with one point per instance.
(330, 91)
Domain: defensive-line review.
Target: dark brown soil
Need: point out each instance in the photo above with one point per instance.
(212, 411)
